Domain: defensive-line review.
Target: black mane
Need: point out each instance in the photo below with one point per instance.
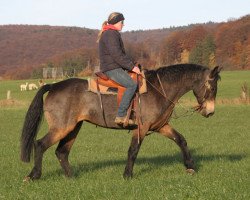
(177, 72)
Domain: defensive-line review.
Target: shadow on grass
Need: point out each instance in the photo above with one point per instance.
(152, 162)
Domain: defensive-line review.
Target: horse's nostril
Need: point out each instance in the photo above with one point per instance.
(210, 114)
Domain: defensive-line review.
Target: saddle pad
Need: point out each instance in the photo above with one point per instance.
(92, 86)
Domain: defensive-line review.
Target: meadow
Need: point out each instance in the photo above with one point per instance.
(220, 146)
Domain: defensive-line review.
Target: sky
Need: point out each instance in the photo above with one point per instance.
(139, 14)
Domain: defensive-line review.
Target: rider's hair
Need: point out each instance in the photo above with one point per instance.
(111, 16)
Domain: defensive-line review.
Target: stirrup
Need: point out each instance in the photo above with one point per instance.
(122, 120)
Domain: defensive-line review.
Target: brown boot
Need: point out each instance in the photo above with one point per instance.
(121, 120)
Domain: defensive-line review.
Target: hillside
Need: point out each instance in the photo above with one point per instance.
(28, 46)
(25, 48)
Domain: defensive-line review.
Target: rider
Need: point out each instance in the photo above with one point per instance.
(115, 63)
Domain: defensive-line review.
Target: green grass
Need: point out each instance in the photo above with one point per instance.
(220, 146)
(14, 87)
(230, 85)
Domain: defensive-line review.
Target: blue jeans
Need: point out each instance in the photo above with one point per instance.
(122, 77)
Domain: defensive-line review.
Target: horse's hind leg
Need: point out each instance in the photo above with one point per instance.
(40, 146)
(63, 149)
(171, 133)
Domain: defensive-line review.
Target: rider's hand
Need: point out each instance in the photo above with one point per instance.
(136, 70)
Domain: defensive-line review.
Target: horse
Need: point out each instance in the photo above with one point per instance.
(69, 103)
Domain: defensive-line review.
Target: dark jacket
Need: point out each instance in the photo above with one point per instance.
(112, 53)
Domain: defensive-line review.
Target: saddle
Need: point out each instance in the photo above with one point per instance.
(101, 84)
(103, 80)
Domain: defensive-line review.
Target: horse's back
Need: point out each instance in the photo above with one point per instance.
(69, 84)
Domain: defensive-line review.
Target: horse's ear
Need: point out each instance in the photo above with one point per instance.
(215, 71)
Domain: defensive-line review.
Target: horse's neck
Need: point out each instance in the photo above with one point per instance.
(173, 94)
(175, 91)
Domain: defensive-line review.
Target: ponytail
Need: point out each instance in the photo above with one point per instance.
(101, 31)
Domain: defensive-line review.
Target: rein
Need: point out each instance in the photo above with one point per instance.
(188, 112)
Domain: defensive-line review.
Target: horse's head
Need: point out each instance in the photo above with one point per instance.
(205, 92)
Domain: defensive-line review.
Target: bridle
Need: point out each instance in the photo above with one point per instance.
(207, 86)
(188, 112)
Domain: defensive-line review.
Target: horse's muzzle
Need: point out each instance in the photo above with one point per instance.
(206, 109)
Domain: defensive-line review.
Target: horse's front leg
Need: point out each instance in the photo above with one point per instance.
(133, 151)
(171, 133)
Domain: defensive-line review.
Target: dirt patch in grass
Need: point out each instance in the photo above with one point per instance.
(235, 101)
(12, 103)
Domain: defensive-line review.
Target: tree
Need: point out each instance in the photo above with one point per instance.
(171, 49)
(196, 54)
(208, 46)
(203, 53)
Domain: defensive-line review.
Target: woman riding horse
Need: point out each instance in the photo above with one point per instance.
(69, 103)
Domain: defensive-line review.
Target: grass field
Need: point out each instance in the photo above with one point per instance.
(220, 146)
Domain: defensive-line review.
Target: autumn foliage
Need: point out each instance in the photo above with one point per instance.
(26, 49)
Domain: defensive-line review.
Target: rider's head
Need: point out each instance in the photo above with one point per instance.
(116, 19)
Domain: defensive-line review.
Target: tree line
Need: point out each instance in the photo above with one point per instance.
(225, 44)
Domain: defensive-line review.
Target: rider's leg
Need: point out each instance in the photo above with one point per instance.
(122, 77)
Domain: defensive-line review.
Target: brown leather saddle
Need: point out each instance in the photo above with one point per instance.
(134, 108)
(104, 80)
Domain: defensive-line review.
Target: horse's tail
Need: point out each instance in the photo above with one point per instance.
(31, 123)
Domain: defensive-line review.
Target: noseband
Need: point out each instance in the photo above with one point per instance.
(203, 98)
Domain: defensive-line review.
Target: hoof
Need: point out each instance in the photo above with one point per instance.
(127, 176)
(190, 171)
(26, 179)
(32, 177)
(69, 176)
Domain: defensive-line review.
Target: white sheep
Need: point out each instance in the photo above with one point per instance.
(33, 86)
(23, 86)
